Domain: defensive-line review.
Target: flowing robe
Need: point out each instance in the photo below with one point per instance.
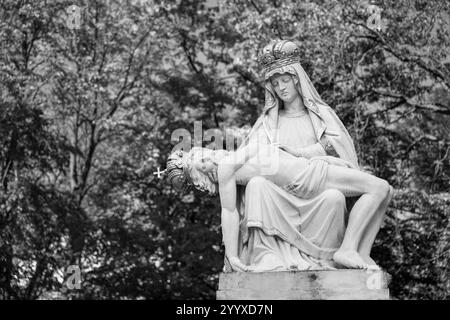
(279, 231)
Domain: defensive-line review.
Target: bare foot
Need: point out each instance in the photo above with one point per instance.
(373, 267)
(372, 264)
(350, 259)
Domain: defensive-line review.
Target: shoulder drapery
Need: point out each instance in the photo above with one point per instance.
(329, 129)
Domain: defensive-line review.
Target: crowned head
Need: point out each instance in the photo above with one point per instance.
(176, 170)
(197, 168)
(277, 55)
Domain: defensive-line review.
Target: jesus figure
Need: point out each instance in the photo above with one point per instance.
(219, 169)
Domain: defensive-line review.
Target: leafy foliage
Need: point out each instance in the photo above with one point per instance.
(87, 116)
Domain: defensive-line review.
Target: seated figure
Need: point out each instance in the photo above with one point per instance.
(222, 170)
(278, 230)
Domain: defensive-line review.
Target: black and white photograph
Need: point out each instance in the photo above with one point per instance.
(224, 151)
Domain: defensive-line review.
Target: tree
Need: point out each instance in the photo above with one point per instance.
(89, 108)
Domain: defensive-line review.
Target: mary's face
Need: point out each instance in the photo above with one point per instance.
(284, 86)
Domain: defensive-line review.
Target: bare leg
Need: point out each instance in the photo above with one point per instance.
(372, 230)
(373, 192)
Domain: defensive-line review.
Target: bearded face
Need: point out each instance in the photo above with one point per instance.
(204, 160)
(203, 171)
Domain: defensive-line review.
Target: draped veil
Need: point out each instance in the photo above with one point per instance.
(329, 130)
(327, 125)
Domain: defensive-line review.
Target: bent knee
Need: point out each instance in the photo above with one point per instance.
(382, 188)
(256, 183)
(391, 193)
(334, 196)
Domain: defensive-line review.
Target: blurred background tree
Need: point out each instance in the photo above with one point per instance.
(89, 105)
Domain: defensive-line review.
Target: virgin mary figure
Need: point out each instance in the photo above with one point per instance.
(279, 231)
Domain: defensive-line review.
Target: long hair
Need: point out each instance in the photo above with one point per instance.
(200, 181)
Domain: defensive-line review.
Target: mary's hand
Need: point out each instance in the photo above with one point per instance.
(336, 161)
(290, 150)
(237, 265)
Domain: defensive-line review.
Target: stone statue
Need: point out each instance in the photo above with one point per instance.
(293, 216)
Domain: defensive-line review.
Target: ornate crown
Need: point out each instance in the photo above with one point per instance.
(278, 54)
(177, 166)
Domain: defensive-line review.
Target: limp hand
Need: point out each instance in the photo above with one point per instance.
(237, 265)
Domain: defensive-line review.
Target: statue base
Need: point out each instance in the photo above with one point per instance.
(344, 284)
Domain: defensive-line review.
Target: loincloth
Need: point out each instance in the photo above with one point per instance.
(310, 181)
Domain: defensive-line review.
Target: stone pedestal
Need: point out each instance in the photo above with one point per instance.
(304, 285)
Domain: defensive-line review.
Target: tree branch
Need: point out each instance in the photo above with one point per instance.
(436, 107)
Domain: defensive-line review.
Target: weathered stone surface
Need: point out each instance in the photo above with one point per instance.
(304, 285)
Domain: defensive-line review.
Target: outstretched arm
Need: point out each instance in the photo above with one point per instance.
(226, 175)
(230, 223)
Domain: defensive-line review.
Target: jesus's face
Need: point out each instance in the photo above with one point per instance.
(205, 163)
(284, 86)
